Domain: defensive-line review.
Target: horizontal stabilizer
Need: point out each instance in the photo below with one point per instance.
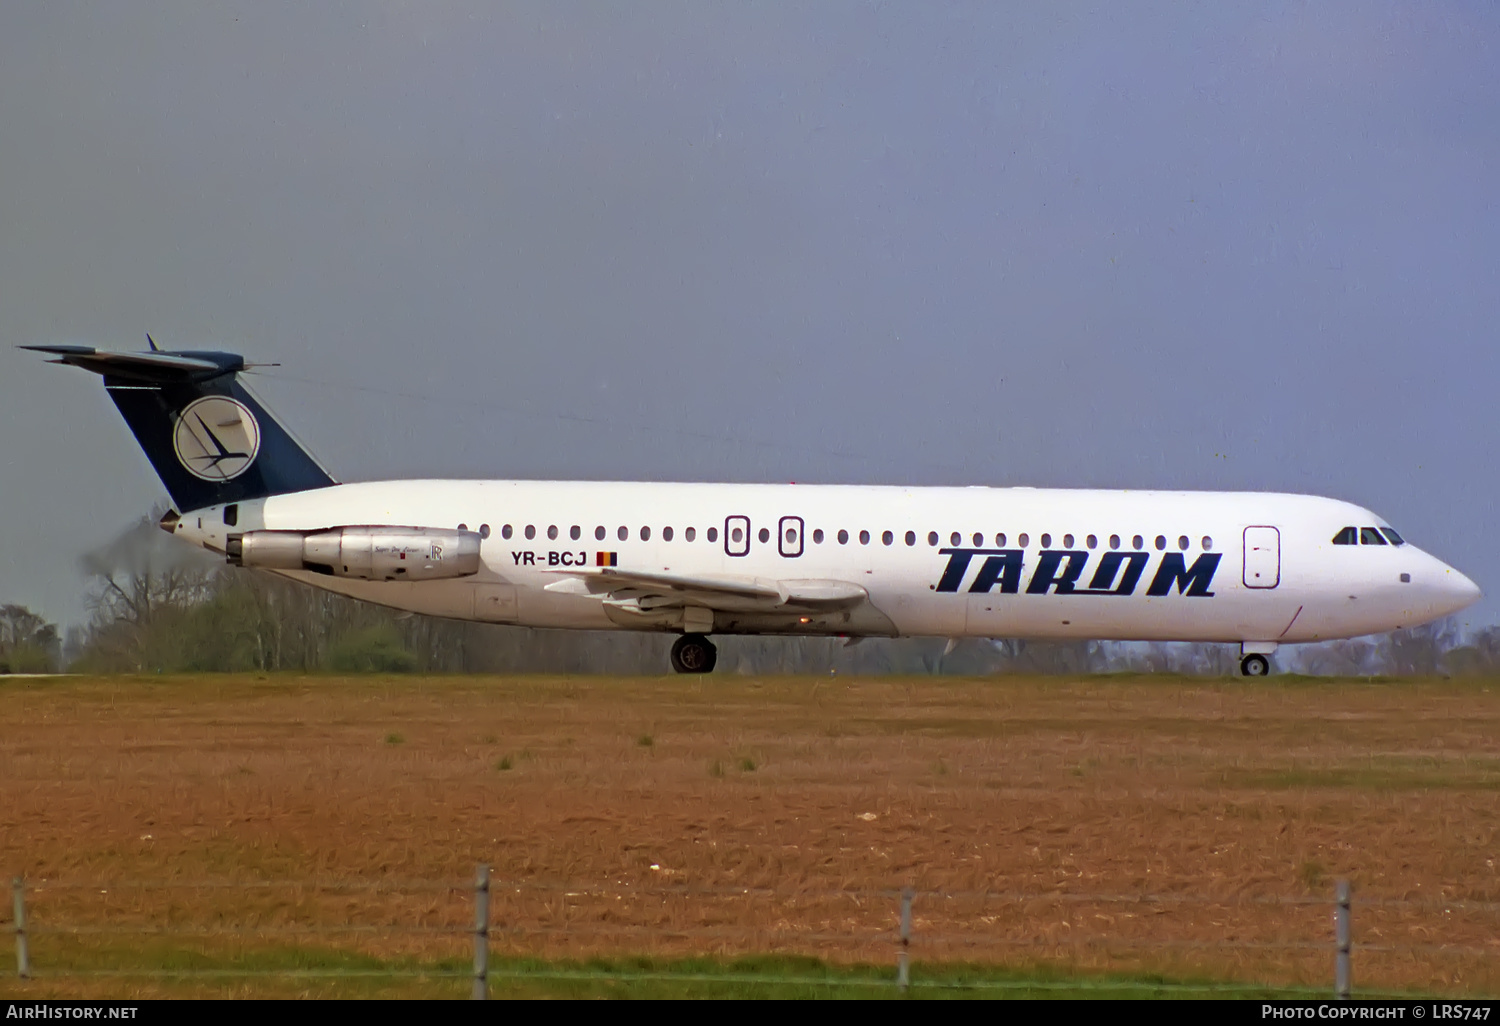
(149, 367)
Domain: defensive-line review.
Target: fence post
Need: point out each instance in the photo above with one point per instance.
(903, 956)
(482, 934)
(23, 956)
(1342, 982)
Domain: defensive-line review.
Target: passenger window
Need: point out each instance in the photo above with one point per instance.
(599, 532)
(818, 536)
(765, 535)
(690, 533)
(623, 532)
(932, 538)
(1208, 543)
(645, 534)
(1067, 541)
(1138, 542)
(1370, 536)
(1348, 536)
(1395, 538)
(505, 532)
(956, 538)
(886, 538)
(575, 532)
(911, 537)
(552, 532)
(1023, 540)
(1092, 541)
(1182, 543)
(843, 537)
(530, 532)
(1046, 541)
(791, 536)
(484, 530)
(1161, 543)
(461, 527)
(1114, 541)
(1000, 540)
(978, 539)
(713, 534)
(864, 537)
(736, 536)
(666, 534)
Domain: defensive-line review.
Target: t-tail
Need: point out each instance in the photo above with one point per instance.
(209, 438)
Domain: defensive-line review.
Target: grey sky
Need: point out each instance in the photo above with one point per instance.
(1197, 246)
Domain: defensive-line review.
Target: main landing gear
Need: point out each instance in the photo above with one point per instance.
(693, 653)
(1255, 666)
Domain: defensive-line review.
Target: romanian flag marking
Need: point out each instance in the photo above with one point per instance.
(607, 559)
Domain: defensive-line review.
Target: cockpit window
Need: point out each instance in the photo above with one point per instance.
(1370, 536)
(1348, 536)
(1395, 538)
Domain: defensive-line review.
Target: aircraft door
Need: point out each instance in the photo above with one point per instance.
(736, 536)
(789, 537)
(1262, 557)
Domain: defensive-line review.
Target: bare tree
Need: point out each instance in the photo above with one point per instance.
(1418, 650)
(1349, 657)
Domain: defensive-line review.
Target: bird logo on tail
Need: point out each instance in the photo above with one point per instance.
(217, 438)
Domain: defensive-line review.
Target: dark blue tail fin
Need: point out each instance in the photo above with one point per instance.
(210, 440)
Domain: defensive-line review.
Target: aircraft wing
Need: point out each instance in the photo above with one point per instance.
(660, 590)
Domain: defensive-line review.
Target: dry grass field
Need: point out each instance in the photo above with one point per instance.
(729, 816)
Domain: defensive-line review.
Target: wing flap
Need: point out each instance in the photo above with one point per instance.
(664, 590)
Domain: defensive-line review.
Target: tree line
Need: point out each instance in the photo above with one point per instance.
(159, 607)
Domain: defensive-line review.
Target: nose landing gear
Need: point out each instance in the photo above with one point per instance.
(1255, 666)
(693, 653)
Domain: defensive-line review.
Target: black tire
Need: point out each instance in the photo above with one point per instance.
(1255, 666)
(693, 653)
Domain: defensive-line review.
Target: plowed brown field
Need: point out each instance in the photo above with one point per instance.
(727, 815)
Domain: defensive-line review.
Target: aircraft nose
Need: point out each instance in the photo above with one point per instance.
(1458, 592)
(1431, 589)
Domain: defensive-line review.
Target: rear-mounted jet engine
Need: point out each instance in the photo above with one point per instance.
(364, 553)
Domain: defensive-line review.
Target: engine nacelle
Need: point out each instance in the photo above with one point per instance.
(364, 553)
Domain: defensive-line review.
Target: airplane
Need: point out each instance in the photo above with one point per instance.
(1256, 569)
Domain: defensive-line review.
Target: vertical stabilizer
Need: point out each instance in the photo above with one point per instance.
(209, 438)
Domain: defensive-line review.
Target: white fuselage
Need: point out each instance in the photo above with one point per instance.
(1243, 567)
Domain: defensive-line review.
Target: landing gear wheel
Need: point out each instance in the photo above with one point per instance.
(693, 653)
(1255, 666)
